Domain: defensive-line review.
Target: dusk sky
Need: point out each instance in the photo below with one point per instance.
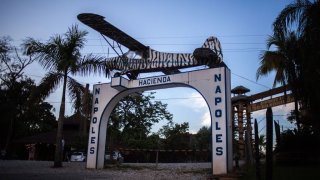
(169, 26)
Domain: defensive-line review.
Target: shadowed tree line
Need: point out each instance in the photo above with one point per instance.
(129, 127)
(21, 114)
(293, 54)
(25, 112)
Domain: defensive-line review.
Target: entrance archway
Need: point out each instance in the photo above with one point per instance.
(212, 84)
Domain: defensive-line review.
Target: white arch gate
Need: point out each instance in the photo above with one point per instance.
(212, 84)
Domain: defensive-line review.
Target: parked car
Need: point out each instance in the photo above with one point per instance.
(78, 156)
(115, 155)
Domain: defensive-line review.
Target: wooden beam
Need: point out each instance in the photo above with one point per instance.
(271, 102)
(268, 93)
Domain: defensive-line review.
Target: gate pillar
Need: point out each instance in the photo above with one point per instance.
(212, 84)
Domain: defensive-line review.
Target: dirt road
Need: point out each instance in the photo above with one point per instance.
(38, 170)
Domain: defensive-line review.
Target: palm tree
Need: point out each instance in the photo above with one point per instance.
(284, 60)
(303, 16)
(282, 57)
(61, 57)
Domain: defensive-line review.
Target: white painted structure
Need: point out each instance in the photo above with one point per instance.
(212, 84)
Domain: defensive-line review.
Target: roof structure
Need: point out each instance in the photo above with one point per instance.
(240, 90)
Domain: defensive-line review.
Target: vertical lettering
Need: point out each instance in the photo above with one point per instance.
(219, 151)
(217, 77)
(92, 131)
(217, 126)
(218, 113)
(93, 140)
(97, 91)
(92, 150)
(218, 90)
(217, 100)
(218, 138)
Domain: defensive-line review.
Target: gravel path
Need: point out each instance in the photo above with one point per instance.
(36, 170)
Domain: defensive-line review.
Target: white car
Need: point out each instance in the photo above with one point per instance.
(116, 155)
(78, 156)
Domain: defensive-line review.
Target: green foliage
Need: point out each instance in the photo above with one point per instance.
(61, 56)
(131, 121)
(291, 140)
(204, 137)
(21, 114)
(296, 38)
(298, 148)
(285, 172)
(175, 136)
(130, 126)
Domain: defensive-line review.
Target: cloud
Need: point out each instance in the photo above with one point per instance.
(194, 101)
(205, 119)
(198, 104)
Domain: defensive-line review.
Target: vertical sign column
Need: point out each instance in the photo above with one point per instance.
(94, 128)
(219, 123)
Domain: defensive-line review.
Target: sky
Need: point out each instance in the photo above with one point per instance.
(167, 25)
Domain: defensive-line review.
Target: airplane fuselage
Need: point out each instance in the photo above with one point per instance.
(166, 62)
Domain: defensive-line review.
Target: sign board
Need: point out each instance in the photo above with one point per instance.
(277, 101)
(212, 84)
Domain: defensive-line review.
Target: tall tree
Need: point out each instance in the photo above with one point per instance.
(204, 137)
(303, 17)
(283, 57)
(61, 56)
(20, 115)
(12, 83)
(132, 119)
(280, 57)
(176, 136)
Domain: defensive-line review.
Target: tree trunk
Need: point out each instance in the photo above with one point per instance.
(86, 106)
(269, 148)
(296, 113)
(256, 145)
(9, 135)
(59, 150)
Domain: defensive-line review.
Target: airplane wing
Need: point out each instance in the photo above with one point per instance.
(99, 24)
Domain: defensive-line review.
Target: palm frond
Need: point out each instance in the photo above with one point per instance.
(76, 92)
(45, 54)
(292, 16)
(91, 64)
(76, 37)
(269, 61)
(48, 85)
